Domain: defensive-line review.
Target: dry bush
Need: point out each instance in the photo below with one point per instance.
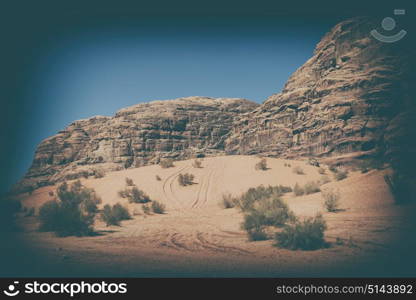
(341, 174)
(166, 163)
(113, 215)
(228, 201)
(332, 199)
(146, 209)
(311, 187)
(137, 196)
(307, 234)
(261, 165)
(129, 182)
(185, 179)
(298, 190)
(99, 173)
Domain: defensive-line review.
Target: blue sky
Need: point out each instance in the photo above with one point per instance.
(96, 68)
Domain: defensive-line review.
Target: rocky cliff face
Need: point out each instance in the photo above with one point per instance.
(135, 136)
(346, 98)
(353, 96)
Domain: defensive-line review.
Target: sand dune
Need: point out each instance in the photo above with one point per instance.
(197, 237)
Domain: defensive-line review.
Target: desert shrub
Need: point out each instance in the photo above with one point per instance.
(333, 169)
(298, 190)
(158, 208)
(123, 193)
(228, 201)
(73, 214)
(261, 165)
(99, 173)
(331, 198)
(158, 178)
(285, 189)
(166, 163)
(197, 163)
(298, 170)
(113, 215)
(51, 194)
(311, 187)
(313, 162)
(307, 234)
(137, 196)
(29, 212)
(321, 171)
(265, 212)
(324, 179)
(341, 174)
(400, 187)
(129, 182)
(185, 179)
(146, 209)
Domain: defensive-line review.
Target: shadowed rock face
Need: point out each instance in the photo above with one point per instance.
(353, 96)
(345, 98)
(136, 136)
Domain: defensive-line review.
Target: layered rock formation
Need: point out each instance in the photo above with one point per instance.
(135, 136)
(344, 99)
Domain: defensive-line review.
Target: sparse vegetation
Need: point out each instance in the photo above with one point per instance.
(298, 170)
(307, 234)
(197, 163)
(146, 209)
(158, 178)
(261, 165)
(185, 179)
(247, 200)
(73, 214)
(158, 208)
(129, 182)
(228, 201)
(324, 179)
(113, 215)
(331, 198)
(166, 163)
(341, 174)
(311, 187)
(298, 190)
(137, 196)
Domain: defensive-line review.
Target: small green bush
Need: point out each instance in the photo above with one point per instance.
(261, 165)
(298, 190)
(298, 170)
(307, 234)
(73, 214)
(158, 208)
(331, 198)
(185, 179)
(166, 163)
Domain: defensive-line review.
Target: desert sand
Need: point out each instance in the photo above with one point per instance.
(198, 237)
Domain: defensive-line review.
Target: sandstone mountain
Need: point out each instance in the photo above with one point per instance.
(353, 96)
(347, 98)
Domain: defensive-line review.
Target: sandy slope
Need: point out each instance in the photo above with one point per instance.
(197, 237)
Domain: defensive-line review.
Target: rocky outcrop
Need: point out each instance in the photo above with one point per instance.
(138, 135)
(346, 98)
